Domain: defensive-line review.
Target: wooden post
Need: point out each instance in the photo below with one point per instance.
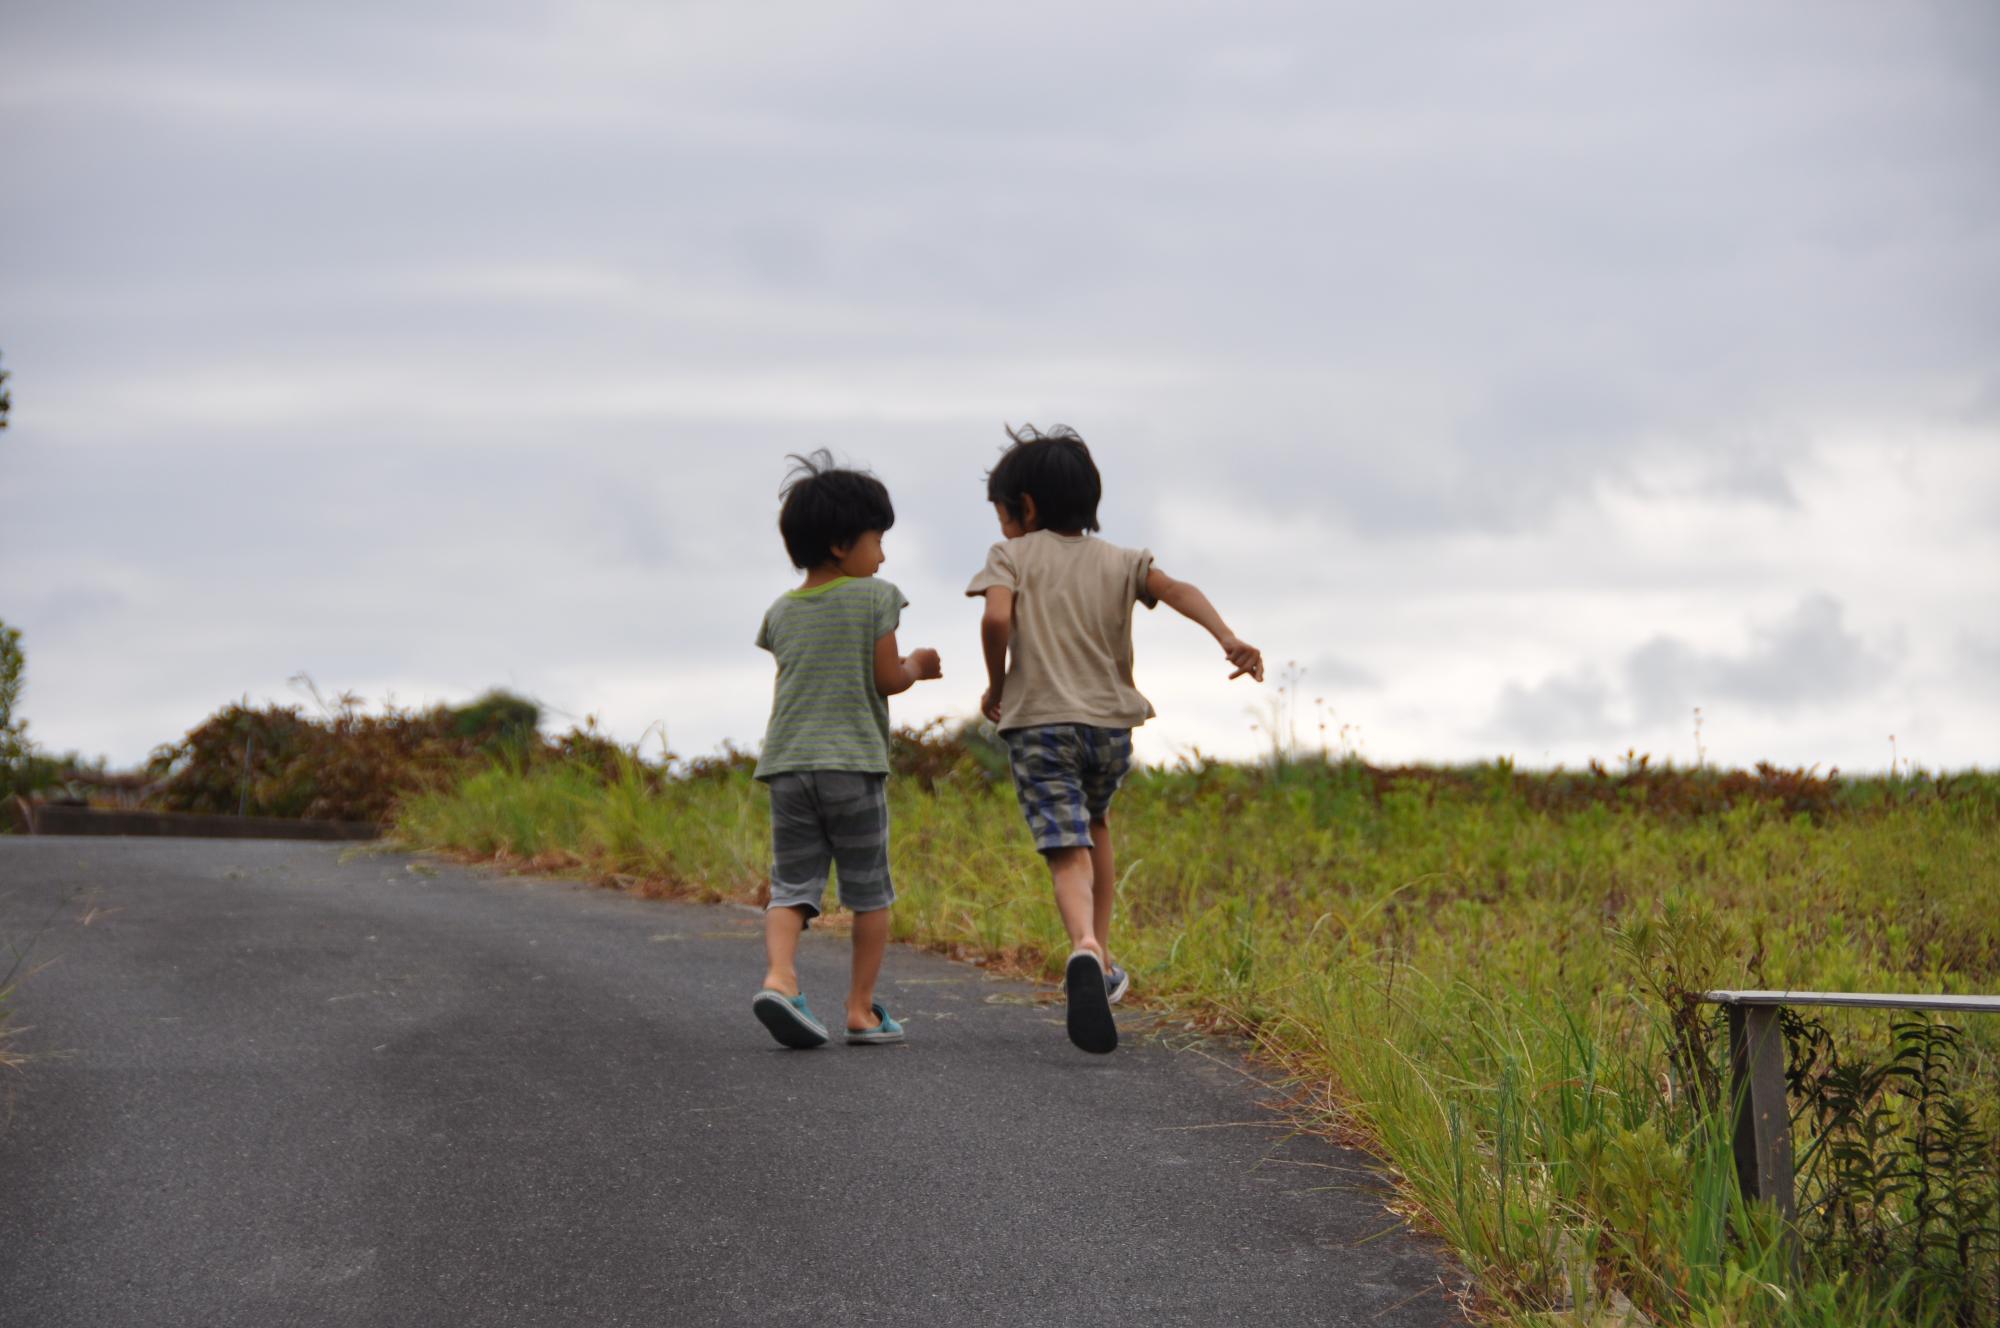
(1763, 1118)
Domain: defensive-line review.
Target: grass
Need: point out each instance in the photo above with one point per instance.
(1483, 972)
(9, 1058)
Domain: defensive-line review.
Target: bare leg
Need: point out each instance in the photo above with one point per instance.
(871, 940)
(1103, 881)
(1069, 868)
(782, 928)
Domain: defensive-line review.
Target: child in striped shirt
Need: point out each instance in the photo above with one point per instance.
(825, 757)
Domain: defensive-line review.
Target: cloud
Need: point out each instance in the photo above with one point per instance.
(1806, 659)
(1573, 705)
(1326, 671)
(1750, 476)
(1980, 657)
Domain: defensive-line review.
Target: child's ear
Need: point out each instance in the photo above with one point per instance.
(1028, 512)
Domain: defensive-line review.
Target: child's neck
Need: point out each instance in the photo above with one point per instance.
(824, 574)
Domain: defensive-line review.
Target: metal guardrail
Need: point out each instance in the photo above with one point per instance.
(1763, 1137)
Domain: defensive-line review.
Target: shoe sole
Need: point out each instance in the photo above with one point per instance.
(1091, 1026)
(873, 1040)
(786, 1024)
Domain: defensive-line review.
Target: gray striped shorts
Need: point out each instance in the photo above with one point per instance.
(830, 817)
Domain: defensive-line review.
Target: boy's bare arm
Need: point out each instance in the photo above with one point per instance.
(1186, 599)
(996, 631)
(899, 673)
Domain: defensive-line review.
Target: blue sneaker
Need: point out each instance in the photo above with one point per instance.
(789, 1019)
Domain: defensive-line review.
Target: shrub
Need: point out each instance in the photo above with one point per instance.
(23, 769)
(345, 765)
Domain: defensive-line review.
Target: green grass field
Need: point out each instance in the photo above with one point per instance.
(1485, 973)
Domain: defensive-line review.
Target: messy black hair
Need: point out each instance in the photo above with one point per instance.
(827, 505)
(1055, 467)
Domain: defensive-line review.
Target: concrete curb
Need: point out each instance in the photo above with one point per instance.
(59, 819)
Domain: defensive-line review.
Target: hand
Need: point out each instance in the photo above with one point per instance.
(989, 704)
(924, 663)
(1246, 657)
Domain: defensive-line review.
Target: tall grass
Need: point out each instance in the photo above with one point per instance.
(1487, 979)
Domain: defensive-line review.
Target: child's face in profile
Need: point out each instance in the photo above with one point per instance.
(861, 558)
(1009, 527)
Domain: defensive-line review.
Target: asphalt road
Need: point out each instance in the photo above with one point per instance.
(281, 1083)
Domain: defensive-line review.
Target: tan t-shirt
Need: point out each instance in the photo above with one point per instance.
(1071, 656)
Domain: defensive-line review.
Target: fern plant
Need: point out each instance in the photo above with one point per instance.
(1899, 1181)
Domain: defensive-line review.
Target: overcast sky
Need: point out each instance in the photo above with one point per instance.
(1530, 375)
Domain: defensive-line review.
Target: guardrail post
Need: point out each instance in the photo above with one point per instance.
(1763, 1118)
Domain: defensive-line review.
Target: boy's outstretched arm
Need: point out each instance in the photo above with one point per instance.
(1186, 599)
(899, 673)
(996, 631)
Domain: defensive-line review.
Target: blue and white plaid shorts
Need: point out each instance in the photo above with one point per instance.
(1064, 775)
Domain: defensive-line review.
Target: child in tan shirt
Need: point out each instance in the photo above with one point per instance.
(1058, 641)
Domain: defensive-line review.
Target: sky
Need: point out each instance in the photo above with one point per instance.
(1518, 378)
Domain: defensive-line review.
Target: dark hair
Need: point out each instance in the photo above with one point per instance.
(826, 505)
(1055, 467)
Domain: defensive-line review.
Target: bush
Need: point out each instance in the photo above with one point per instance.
(346, 765)
(23, 770)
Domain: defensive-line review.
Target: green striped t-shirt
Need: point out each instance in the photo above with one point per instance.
(825, 711)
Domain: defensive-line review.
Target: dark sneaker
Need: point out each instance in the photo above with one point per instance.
(1091, 1026)
(1116, 982)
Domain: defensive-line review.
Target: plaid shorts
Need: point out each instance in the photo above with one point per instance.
(1064, 775)
(830, 818)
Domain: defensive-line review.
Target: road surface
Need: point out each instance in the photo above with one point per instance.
(295, 1084)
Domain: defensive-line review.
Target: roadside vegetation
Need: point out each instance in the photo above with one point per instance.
(338, 762)
(18, 772)
(1487, 973)
(26, 770)
(22, 769)
(342, 763)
